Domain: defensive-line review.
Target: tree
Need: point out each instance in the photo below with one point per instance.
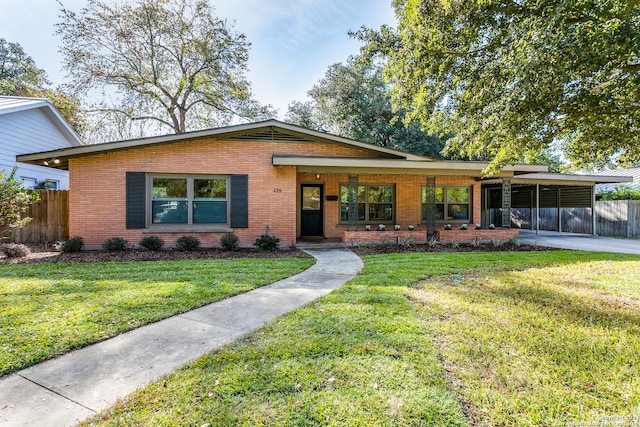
(171, 63)
(508, 78)
(19, 76)
(352, 101)
(14, 200)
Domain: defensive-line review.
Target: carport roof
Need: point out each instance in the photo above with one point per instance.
(549, 178)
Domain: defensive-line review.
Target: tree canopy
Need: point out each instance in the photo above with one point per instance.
(352, 100)
(19, 76)
(171, 63)
(511, 78)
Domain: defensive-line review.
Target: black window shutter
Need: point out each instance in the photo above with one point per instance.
(136, 199)
(239, 201)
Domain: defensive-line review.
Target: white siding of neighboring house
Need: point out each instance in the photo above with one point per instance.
(30, 131)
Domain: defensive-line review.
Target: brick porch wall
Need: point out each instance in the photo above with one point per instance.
(445, 236)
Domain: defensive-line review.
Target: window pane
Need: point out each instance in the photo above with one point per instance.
(380, 194)
(361, 194)
(169, 212)
(209, 212)
(439, 194)
(458, 211)
(169, 188)
(215, 188)
(458, 194)
(380, 211)
(311, 198)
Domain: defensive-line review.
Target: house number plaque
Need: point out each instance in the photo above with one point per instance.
(277, 190)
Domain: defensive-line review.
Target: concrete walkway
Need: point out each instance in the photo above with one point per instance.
(73, 387)
(581, 242)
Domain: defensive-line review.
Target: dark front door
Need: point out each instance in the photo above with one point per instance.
(312, 212)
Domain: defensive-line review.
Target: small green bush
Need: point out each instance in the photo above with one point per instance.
(230, 242)
(115, 244)
(267, 242)
(74, 244)
(408, 241)
(187, 243)
(15, 250)
(152, 243)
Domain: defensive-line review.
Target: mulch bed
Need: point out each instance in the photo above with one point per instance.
(46, 253)
(40, 254)
(448, 247)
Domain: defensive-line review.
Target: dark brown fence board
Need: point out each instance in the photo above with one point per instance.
(49, 218)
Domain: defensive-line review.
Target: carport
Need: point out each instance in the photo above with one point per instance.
(543, 202)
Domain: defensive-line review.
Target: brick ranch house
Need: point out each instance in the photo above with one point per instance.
(285, 180)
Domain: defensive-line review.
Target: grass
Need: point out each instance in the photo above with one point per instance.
(50, 309)
(433, 339)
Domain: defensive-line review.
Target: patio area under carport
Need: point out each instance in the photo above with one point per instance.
(561, 203)
(581, 242)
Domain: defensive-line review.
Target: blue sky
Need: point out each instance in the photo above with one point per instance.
(293, 41)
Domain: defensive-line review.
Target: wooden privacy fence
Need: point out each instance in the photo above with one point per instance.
(620, 218)
(49, 218)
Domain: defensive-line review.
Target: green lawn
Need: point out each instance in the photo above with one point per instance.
(49, 309)
(433, 339)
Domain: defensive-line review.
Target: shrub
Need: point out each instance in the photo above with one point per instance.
(230, 242)
(74, 244)
(187, 243)
(514, 240)
(409, 241)
(115, 244)
(432, 242)
(15, 250)
(386, 243)
(152, 243)
(267, 242)
(495, 242)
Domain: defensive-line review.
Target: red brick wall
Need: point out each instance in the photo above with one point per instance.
(445, 236)
(97, 186)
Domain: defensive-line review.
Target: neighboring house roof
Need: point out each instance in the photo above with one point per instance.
(15, 104)
(633, 174)
(384, 160)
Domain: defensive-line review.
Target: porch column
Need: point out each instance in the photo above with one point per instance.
(506, 202)
(594, 219)
(430, 202)
(537, 208)
(352, 203)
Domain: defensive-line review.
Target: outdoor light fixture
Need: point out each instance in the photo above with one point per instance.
(317, 177)
(54, 161)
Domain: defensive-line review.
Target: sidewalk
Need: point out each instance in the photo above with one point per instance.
(73, 387)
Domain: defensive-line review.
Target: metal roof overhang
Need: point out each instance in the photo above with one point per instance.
(563, 179)
(373, 166)
(270, 130)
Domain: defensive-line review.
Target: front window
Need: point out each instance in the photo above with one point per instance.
(452, 203)
(189, 200)
(375, 203)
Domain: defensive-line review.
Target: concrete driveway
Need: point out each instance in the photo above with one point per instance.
(581, 242)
